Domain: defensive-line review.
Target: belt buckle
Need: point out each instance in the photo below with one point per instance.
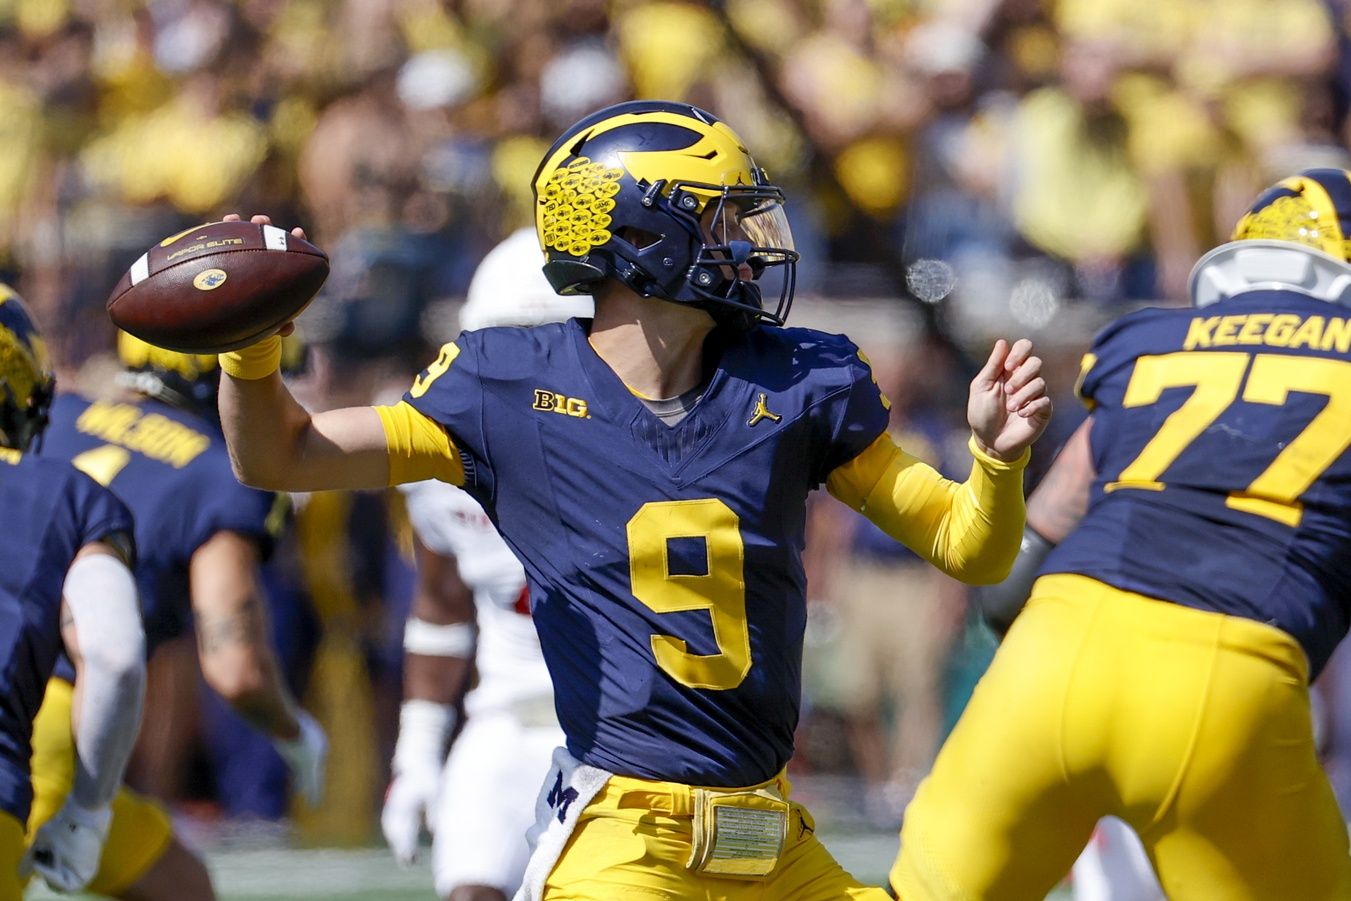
(738, 835)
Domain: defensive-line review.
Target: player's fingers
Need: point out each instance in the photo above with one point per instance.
(299, 233)
(230, 217)
(1018, 354)
(1025, 373)
(1033, 390)
(260, 219)
(990, 371)
(1041, 405)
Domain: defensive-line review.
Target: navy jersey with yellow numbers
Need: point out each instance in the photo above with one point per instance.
(664, 563)
(51, 510)
(1220, 441)
(171, 469)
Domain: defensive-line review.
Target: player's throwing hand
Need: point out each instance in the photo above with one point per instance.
(1008, 408)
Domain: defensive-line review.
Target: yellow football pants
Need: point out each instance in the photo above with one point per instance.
(140, 832)
(1191, 726)
(11, 852)
(633, 841)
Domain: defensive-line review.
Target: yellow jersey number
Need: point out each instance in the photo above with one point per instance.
(449, 352)
(103, 463)
(1217, 379)
(721, 590)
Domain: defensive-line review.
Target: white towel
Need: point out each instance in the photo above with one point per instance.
(566, 792)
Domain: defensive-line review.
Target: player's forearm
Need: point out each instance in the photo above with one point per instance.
(441, 680)
(107, 646)
(970, 530)
(1061, 499)
(265, 430)
(275, 443)
(238, 664)
(253, 688)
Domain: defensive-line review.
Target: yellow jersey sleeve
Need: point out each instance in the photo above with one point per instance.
(419, 447)
(971, 530)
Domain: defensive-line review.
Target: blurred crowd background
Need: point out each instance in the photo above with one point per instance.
(957, 170)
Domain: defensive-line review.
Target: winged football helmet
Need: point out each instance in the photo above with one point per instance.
(1295, 237)
(664, 198)
(26, 381)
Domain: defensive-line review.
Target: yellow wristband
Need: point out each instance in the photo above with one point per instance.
(257, 361)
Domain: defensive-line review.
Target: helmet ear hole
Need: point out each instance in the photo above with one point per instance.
(573, 276)
(637, 238)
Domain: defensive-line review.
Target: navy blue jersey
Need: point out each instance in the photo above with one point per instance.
(664, 562)
(172, 470)
(51, 511)
(1223, 480)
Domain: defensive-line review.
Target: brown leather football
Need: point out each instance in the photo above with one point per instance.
(217, 287)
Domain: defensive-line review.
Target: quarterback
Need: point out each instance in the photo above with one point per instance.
(1160, 670)
(199, 536)
(480, 800)
(650, 469)
(64, 587)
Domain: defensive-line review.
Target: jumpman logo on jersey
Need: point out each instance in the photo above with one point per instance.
(762, 412)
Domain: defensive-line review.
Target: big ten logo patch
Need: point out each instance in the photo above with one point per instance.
(552, 402)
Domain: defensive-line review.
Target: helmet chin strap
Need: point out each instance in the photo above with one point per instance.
(1258, 265)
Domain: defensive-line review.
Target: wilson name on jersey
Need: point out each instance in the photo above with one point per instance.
(172, 470)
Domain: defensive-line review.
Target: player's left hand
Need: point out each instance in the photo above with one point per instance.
(1008, 408)
(66, 850)
(306, 756)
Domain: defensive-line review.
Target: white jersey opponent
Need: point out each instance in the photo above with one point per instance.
(488, 787)
(511, 672)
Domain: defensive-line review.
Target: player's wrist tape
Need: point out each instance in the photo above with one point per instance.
(257, 361)
(424, 727)
(429, 639)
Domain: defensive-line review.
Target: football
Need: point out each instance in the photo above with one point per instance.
(217, 287)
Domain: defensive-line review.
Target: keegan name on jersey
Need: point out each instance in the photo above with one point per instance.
(1266, 388)
(681, 555)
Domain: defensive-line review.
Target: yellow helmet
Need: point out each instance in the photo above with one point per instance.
(1295, 237)
(26, 380)
(664, 198)
(1312, 208)
(185, 380)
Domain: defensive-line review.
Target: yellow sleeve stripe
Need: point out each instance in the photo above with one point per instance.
(419, 447)
(970, 530)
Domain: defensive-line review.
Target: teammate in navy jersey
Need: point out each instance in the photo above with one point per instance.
(1160, 671)
(650, 468)
(201, 536)
(64, 587)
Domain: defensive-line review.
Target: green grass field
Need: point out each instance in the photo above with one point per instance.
(258, 866)
(371, 875)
